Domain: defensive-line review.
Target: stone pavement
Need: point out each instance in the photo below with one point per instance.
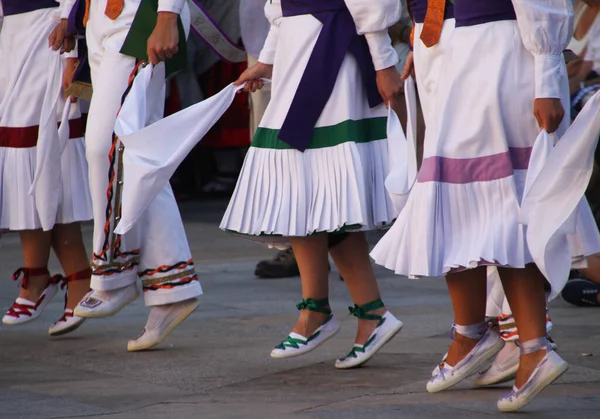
(217, 364)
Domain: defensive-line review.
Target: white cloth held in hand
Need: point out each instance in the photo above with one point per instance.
(152, 154)
(402, 149)
(553, 197)
(46, 186)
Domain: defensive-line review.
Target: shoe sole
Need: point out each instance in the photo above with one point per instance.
(102, 315)
(377, 347)
(37, 314)
(525, 401)
(169, 329)
(66, 330)
(504, 378)
(475, 368)
(308, 349)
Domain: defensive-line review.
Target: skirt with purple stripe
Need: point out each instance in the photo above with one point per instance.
(463, 211)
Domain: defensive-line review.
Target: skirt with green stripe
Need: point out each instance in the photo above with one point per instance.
(337, 184)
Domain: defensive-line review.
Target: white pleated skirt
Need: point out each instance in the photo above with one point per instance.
(337, 184)
(463, 211)
(23, 79)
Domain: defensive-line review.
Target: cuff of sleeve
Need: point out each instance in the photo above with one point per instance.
(173, 6)
(267, 54)
(550, 75)
(65, 9)
(382, 52)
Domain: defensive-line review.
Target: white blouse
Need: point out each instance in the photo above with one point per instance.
(546, 29)
(371, 17)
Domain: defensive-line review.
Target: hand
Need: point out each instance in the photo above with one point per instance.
(162, 43)
(549, 113)
(409, 66)
(253, 75)
(389, 84)
(60, 38)
(68, 74)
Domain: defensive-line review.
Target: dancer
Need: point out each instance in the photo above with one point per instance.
(28, 86)
(456, 221)
(318, 161)
(156, 250)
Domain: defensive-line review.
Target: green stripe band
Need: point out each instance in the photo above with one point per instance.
(361, 131)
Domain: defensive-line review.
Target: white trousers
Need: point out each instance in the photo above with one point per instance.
(156, 250)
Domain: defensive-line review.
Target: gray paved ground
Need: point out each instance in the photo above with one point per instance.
(216, 365)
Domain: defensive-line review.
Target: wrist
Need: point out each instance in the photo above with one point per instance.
(167, 17)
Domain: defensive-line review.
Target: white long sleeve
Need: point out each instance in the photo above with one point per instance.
(173, 6)
(546, 28)
(65, 8)
(274, 14)
(372, 19)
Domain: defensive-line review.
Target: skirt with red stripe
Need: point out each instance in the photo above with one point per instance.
(23, 82)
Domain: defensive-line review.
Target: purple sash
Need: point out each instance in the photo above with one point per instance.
(476, 12)
(418, 10)
(338, 37)
(16, 7)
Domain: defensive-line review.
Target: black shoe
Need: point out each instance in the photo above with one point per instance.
(581, 292)
(284, 265)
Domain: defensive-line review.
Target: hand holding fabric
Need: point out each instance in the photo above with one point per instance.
(60, 38)
(409, 67)
(549, 113)
(162, 43)
(389, 85)
(253, 75)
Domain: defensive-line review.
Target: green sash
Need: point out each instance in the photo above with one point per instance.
(143, 24)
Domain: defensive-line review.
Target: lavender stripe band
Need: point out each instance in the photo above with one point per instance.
(204, 26)
(477, 169)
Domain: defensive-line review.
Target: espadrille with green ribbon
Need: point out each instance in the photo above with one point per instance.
(386, 329)
(296, 344)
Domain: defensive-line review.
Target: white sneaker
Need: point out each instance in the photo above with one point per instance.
(23, 311)
(99, 304)
(388, 327)
(548, 370)
(503, 369)
(487, 347)
(67, 323)
(295, 344)
(161, 321)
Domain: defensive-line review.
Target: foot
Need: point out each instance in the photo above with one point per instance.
(161, 321)
(363, 350)
(99, 304)
(581, 292)
(35, 294)
(315, 325)
(78, 285)
(503, 369)
(466, 357)
(539, 367)
(283, 265)
(66, 324)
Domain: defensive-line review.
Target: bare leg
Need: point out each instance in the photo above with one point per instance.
(67, 243)
(351, 256)
(36, 251)
(524, 290)
(311, 255)
(468, 294)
